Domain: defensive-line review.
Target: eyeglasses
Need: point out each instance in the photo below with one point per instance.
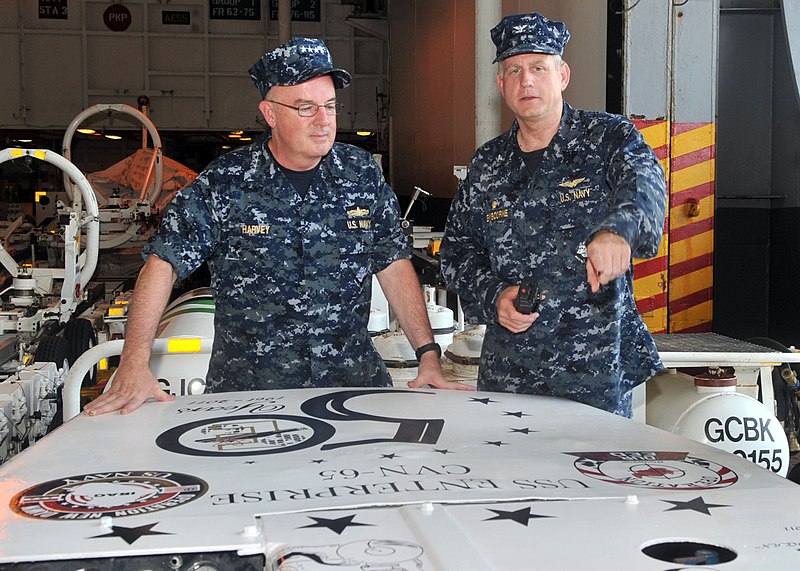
(311, 109)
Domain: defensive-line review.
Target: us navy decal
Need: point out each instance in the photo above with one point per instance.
(117, 494)
(650, 469)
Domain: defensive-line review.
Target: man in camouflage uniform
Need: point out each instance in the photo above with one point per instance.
(292, 228)
(563, 199)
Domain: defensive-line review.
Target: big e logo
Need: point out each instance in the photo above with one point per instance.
(258, 434)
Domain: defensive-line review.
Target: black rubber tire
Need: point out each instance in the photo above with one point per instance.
(80, 337)
(52, 349)
(794, 474)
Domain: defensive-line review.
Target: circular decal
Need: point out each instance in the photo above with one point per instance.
(117, 18)
(657, 470)
(247, 435)
(116, 494)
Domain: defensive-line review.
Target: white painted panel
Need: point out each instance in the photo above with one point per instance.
(696, 36)
(237, 27)
(126, 98)
(334, 17)
(308, 29)
(94, 17)
(647, 64)
(52, 78)
(178, 54)
(170, 112)
(180, 85)
(344, 121)
(341, 52)
(385, 479)
(365, 111)
(791, 20)
(200, 68)
(197, 18)
(236, 55)
(586, 53)
(234, 102)
(369, 56)
(31, 17)
(116, 64)
(11, 100)
(8, 14)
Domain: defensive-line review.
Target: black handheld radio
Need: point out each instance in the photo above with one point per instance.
(528, 298)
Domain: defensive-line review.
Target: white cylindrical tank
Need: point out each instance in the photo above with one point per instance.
(378, 322)
(442, 323)
(706, 408)
(465, 351)
(395, 350)
(188, 319)
(190, 315)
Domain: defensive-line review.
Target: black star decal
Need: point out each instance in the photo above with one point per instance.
(523, 430)
(483, 400)
(696, 505)
(521, 516)
(131, 534)
(496, 443)
(317, 461)
(389, 456)
(336, 525)
(443, 451)
(519, 414)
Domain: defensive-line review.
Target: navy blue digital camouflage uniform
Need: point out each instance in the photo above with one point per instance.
(291, 276)
(506, 226)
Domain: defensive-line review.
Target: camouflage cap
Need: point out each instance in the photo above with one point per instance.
(296, 61)
(529, 33)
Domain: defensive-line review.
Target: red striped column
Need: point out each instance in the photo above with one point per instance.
(691, 227)
(650, 276)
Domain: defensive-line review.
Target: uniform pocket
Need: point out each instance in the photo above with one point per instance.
(262, 263)
(355, 254)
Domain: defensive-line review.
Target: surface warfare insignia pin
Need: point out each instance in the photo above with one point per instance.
(651, 469)
(357, 212)
(572, 183)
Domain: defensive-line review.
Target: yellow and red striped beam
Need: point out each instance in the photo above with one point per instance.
(691, 227)
(674, 290)
(650, 276)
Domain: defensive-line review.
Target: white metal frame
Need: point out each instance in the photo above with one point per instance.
(78, 267)
(764, 362)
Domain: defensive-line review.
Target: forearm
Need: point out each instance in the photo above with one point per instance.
(638, 208)
(401, 286)
(150, 297)
(403, 291)
(134, 383)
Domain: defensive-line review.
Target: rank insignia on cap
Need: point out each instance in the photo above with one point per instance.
(297, 61)
(528, 33)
